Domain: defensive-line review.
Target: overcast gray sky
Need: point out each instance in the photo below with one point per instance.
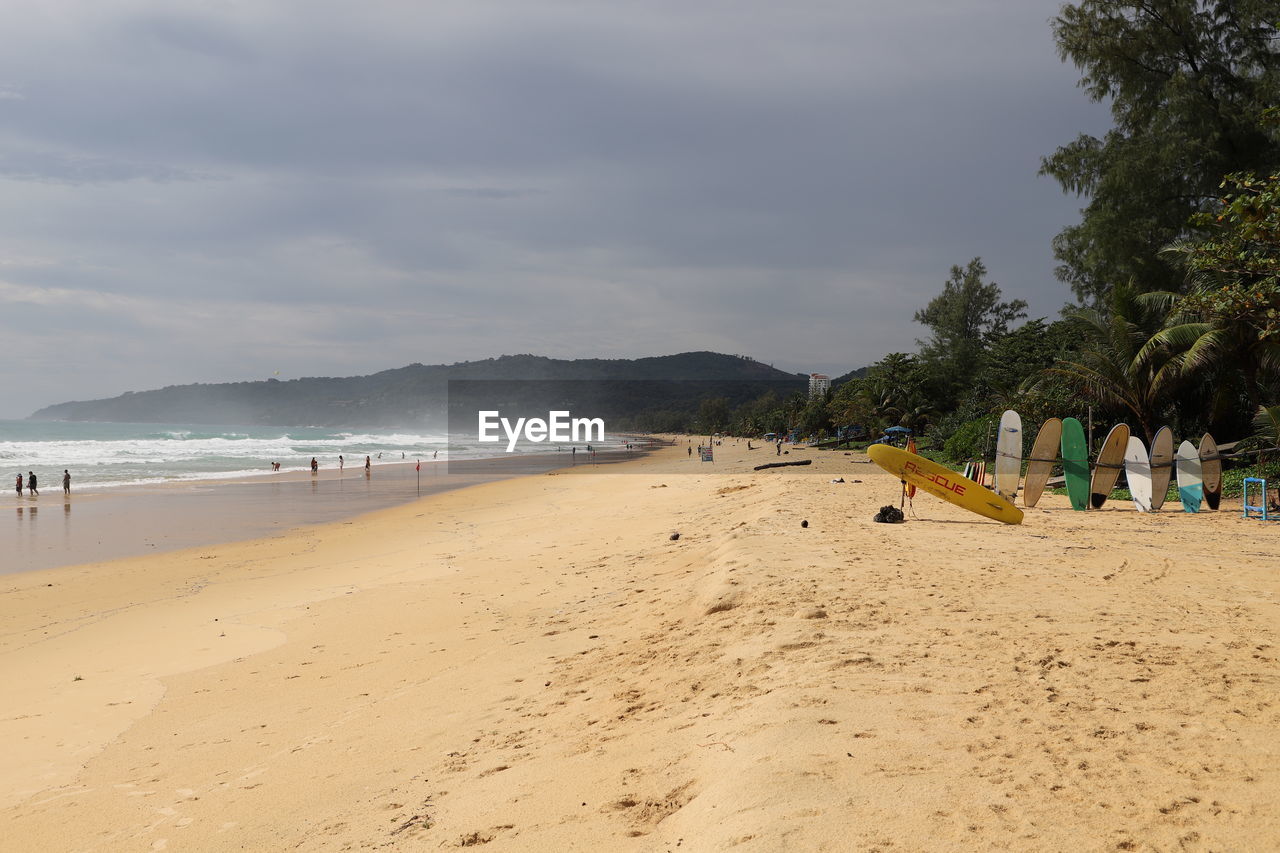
(216, 191)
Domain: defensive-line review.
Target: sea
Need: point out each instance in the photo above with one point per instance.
(145, 488)
(114, 455)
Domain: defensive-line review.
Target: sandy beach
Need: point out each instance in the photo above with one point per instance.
(536, 664)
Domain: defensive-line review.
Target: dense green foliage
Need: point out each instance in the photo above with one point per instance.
(1107, 369)
(963, 318)
(1186, 81)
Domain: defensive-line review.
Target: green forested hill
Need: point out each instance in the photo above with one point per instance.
(418, 394)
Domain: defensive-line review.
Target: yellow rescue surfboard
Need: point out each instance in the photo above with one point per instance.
(941, 482)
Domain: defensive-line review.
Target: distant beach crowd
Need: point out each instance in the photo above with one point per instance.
(342, 462)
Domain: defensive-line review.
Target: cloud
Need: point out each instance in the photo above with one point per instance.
(50, 167)
(397, 181)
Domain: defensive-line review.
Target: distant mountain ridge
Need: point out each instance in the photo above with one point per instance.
(413, 395)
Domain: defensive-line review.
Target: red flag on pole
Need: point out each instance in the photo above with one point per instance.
(418, 467)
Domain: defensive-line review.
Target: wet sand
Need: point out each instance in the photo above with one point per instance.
(91, 526)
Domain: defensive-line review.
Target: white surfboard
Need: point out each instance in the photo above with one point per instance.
(1008, 455)
(1137, 473)
(1190, 482)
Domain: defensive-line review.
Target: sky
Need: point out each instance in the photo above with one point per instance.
(223, 191)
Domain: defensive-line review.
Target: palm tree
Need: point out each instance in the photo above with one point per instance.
(1225, 328)
(1228, 325)
(1116, 367)
(895, 393)
(1267, 423)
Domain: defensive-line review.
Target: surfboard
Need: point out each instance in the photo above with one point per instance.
(1190, 481)
(1109, 465)
(1137, 473)
(1008, 455)
(911, 448)
(941, 482)
(1044, 455)
(1075, 463)
(1211, 471)
(1161, 466)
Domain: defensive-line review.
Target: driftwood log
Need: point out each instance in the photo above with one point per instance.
(782, 464)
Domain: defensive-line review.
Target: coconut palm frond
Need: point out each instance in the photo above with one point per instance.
(1172, 339)
(1267, 423)
(1098, 385)
(1161, 302)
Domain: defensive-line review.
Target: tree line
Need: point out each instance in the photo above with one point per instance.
(1174, 265)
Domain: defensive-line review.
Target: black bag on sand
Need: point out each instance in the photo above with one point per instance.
(889, 515)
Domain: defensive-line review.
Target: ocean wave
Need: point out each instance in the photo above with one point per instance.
(112, 455)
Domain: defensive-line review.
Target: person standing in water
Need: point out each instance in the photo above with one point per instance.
(18, 485)
(66, 481)
(368, 464)
(341, 462)
(31, 484)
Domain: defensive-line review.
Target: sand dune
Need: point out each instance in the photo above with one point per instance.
(537, 665)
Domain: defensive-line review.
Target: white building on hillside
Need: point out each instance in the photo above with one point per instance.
(819, 384)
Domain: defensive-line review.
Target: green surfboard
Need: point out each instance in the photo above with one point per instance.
(1075, 463)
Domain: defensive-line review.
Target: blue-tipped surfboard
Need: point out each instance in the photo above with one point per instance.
(1075, 463)
(1190, 481)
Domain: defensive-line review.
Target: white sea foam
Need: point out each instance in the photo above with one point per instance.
(133, 454)
(113, 455)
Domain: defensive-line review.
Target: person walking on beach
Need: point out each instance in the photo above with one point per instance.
(66, 481)
(315, 466)
(368, 464)
(31, 484)
(341, 462)
(19, 484)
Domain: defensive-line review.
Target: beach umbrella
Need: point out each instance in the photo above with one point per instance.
(898, 429)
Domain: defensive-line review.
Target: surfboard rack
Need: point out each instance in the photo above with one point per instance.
(1261, 507)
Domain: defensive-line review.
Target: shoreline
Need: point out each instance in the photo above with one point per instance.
(104, 524)
(536, 664)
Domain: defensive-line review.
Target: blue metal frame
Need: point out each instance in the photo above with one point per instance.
(1261, 507)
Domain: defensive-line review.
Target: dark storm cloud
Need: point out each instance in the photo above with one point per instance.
(338, 188)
